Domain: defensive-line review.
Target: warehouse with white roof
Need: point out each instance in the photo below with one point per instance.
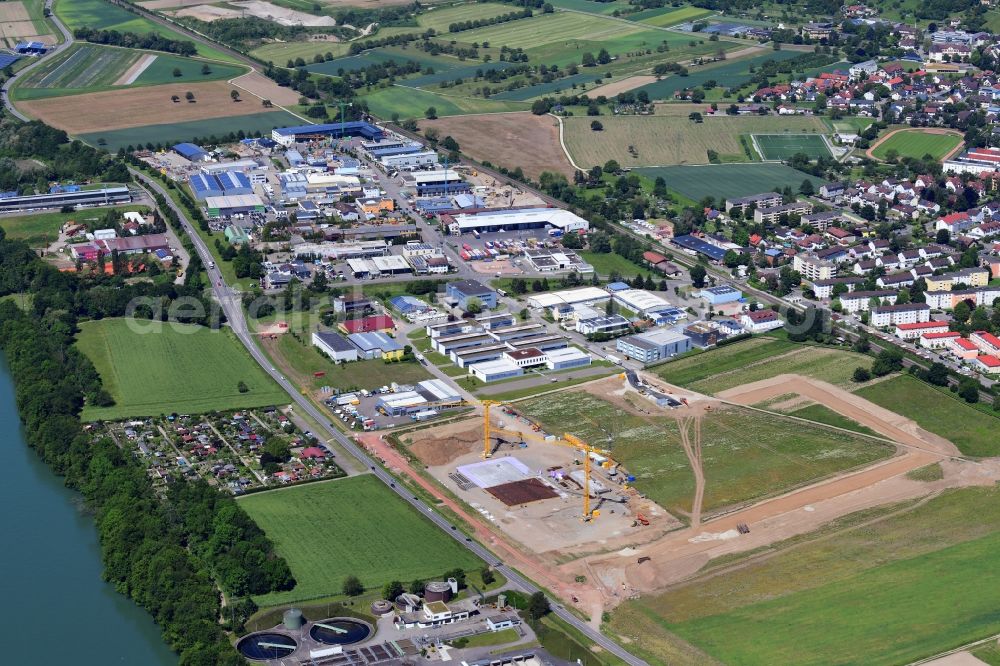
(516, 218)
(582, 295)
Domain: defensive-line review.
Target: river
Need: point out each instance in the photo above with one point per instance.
(56, 608)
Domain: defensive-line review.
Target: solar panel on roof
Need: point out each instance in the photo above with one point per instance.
(8, 59)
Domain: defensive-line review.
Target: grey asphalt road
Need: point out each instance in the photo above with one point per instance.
(230, 302)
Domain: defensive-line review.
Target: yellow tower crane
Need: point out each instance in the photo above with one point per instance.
(588, 450)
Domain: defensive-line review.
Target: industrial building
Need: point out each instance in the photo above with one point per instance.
(463, 291)
(606, 325)
(286, 136)
(552, 260)
(409, 160)
(653, 346)
(566, 358)
(433, 183)
(226, 183)
(694, 245)
(105, 196)
(226, 205)
(192, 152)
(515, 219)
(720, 294)
(492, 371)
(579, 296)
(376, 345)
(426, 395)
(642, 301)
(341, 251)
(335, 346)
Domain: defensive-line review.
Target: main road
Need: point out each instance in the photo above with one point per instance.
(231, 305)
(59, 48)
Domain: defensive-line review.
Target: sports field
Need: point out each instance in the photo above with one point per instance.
(916, 143)
(172, 368)
(722, 181)
(41, 229)
(670, 138)
(783, 147)
(886, 592)
(354, 526)
(746, 455)
(91, 68)
(973, 432)
(726, 74)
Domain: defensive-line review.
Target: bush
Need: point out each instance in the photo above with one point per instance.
(861, 375)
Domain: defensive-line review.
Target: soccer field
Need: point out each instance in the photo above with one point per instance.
(917, 143)
(722, 181)
(783, 146)
(328, 531)
(172, 368)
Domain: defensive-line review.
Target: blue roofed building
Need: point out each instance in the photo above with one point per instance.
(698, 246)
(234, 182)
(617, 286)
(294, 158)
(205, 185)
(31, 48)
(286, 136)
(191, 152)
(408, 304)
(376, 344)
(720, 294)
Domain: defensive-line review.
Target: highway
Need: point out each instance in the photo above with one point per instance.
(232, 307)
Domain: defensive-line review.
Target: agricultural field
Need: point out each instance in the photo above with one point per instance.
(413, 102)
(893, 590)
(746, 455)
(972, 431)
(23, 21)
(916, 143)
(508, 139)
(667, 16)
(382, 55)
(591, 6)
(172, 368)
(281, 52)
(573, 84)
(440, 18)
(42, 229)
(171, 133)
(662, 140)
(779, 147)
(728, 74)
(105, 16)
(353, 526)
(136, 107)
(91, 68)
(721, 181)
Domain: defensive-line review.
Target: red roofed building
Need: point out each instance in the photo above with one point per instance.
(955, 222)
(938, 340)
(653, 258)
(986, 341)
(313, 453)
(371, 324)
(963, 349)
(914, 330)
(760, 321)
(986, 363)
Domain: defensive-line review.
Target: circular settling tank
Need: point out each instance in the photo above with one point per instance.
(340, 631)
(267, 645)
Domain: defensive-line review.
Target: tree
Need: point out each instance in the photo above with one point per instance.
(538, 606)
(937, 374)
(888, 360)
(189, 96)
(417, 587)
(486, 575)
(698, 274)
(235, 94)
(242, 387)
(206, 70)
(572, 241)
(961, 312)
(600, 242)
(968, 390)
(431, 113)
(695, 116)
(588, 60)
(942, 237)
(449, 143)
(352, 586)
(861, 375)
(660, 187)
(266, 103)
(806, 188)
(392, 590)
(612, 167)
(603, 57)
(473, 306)
(596, 125)
(177, 72)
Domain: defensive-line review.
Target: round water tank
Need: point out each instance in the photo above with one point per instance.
(293, 619)
(381, 607)
(437, 591)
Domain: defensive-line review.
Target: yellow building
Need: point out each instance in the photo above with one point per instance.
(939, 282)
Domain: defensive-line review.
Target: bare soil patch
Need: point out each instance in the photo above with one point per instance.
(257, 84)
(440, 446)
(129, 76)
(208, 13)
(117, 109)
(518, 139)
(13, 11)
(626, 84)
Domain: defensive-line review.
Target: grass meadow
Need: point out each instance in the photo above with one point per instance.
(721, 181)
(892, 590)
(173, 368)
(40, 229)
(355, 526)
(917, 143)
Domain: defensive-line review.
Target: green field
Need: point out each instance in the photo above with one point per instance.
(590, 6)
(901, 588)
(916, 143)
(280, 52)
(439, 18)
(172, 368)
(670, 138)
(105, 16)
(86, 68)
(171, 133)
(746, 455)
(734, 365)
(783, 147)
(822, 414)
(972, 431)
(606, 262)
(40, 229)
(668, 16)
(355, 526)
(412, 102)
(727, 74)
(722, 181)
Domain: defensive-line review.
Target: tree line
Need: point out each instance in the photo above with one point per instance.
(132, 40)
